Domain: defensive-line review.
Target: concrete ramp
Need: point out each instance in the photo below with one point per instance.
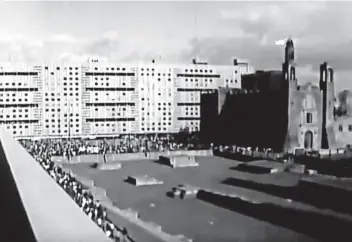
(34, 207)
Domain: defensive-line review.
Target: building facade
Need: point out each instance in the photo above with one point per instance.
(104, 99)
(273, 111)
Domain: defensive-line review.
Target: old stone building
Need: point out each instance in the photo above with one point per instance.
(273, 111)
(343, 118)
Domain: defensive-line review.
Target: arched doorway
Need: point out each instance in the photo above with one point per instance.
(308, 140)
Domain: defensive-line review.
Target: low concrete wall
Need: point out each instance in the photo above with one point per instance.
(249, 155)
(155, 155)
(93, 158)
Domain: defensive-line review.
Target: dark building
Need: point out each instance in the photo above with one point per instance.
(208, 116)
(272, 111)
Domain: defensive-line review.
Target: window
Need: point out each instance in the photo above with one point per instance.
(309, 118)
(350, 127)
(340, 128)
(309, 102)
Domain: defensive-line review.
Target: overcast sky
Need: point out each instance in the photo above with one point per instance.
(134, 31)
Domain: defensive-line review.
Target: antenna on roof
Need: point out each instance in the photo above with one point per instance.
(196, 60)
(196, 40)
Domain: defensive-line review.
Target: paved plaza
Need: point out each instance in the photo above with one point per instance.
(194, 218)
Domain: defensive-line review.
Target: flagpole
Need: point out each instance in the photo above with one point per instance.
(69, 120)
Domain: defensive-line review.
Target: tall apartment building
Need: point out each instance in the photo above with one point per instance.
(21, 99)
(107, 99)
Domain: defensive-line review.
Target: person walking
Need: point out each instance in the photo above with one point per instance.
(104, 153)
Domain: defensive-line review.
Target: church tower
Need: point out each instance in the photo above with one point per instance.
(290, 85)
(288, 67)
(327, 89)
(289, 51)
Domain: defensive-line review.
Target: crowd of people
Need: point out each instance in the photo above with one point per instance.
(123, 144)
(78, 193)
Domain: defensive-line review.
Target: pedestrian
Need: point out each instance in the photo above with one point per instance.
(104, 155)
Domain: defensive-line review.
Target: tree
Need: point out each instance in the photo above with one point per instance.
(340, 111)
(183, 136)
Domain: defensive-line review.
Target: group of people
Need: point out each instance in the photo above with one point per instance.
(244, 150)
(122, 144)
(79, 193)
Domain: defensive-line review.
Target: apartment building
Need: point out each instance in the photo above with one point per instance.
(21, 99)
(107, 99)
(61, 100)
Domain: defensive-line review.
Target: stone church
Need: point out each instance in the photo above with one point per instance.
(273, 111)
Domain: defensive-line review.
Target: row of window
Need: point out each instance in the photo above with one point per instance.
(107, 83)
(64, 131)
(19, 110)
(18, 73)
(58, 99)
(153, 129)
(349, 128)
(58, 84)
(200, 70)
(14, 116)
(65, 78)
(191, 124)
(112, 68)
(59, 120)
(152, 69)
(159, 123)
(108, 125)
(153, 114)
(14, 100)
(20, 132)
(19, 127)
(58, 68)
(153, 103)
(111, 130)
(159, 79)
(13, 84)
(159, 109)
(191, 114)
(65, 100)
(13, 94)
(53, 126)
(108, 109)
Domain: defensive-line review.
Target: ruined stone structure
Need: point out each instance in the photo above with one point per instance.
(273, 111)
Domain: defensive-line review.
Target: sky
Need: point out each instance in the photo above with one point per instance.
(140, 31)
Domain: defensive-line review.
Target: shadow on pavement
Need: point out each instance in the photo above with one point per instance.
(251, 169)
(320, 198)
(318, 226)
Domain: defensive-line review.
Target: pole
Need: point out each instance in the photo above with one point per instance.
(69, 119)
(69, 122)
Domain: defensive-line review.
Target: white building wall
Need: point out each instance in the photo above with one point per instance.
(156, 89)
(111, 99)
(107, 99)
(192, 79)
(62, 97)
(19, 102)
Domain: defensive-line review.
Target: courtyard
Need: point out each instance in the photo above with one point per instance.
(194, 218)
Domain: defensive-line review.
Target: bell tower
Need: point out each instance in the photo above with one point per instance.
(290, 85)
(327, 89)
(289, 52)
(288, 67)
